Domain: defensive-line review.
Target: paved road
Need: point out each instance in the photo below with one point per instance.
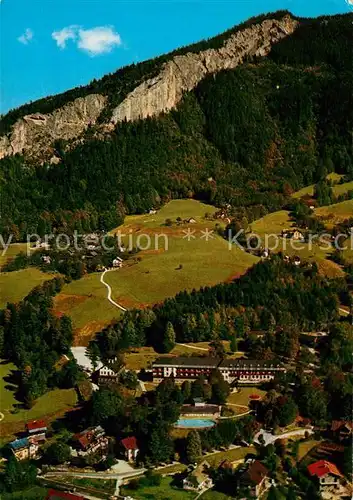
(270, 438)
(109, 296)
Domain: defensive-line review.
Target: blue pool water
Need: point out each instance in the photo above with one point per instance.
(197, 423)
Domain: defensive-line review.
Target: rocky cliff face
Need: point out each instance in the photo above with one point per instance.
(35, 134)
(183, 73)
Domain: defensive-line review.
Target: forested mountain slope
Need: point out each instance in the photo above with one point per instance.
(247, 136)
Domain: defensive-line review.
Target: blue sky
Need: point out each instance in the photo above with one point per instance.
(48, 46)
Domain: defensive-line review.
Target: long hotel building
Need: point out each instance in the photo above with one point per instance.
(246, 371)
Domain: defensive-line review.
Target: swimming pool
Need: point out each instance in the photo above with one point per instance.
(196, 423)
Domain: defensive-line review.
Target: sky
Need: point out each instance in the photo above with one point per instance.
(49, 46)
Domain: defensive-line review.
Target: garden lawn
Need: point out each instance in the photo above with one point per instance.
(32, 493)
(305, 447)
(14, 286)
(215, 459)
(215, 495)
(165, 491)
(242, 397)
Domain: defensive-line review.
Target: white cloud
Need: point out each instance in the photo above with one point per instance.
(350, 2)
(26, 37)
(94, 41)
(62, 36)
(98, 40)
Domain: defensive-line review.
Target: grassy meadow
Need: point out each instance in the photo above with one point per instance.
(16, 285)
(49, 406)
(158, 272)
(11, 252)
(338, 189)
(275, 222)
(333, 214)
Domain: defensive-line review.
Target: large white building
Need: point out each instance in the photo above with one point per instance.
(246, 371)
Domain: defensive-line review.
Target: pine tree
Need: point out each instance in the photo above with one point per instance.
(193, 447)
(233, 344)
(169, 338)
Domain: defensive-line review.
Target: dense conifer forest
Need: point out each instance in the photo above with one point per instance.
(248, 137)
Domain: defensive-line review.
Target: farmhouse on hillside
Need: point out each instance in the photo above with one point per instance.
(118, 262)
(293, 235)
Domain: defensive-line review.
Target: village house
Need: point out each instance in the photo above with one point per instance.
(293, 235)
(89, 441)
(24, 448)
(118, 262)
(342, 430)
(327, 475)
(296, 260)
(254, 478)
(197, 479)
(107, 375)
(130, 448)
(36, 427)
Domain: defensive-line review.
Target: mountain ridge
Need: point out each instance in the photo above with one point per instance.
(35, 134)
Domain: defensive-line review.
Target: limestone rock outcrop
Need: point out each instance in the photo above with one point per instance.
(183, 73)
(36, 133)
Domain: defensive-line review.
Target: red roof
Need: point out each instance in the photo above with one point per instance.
(56, 494)
(322, 468)
(36, 424)
(129, 443)
(256, 473)
(338, 424)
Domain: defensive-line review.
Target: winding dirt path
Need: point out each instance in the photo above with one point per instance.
(109, 296)
(193, 347)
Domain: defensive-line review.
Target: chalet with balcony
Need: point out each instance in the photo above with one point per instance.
(89, 441)
(327, 475)
(254, 478)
